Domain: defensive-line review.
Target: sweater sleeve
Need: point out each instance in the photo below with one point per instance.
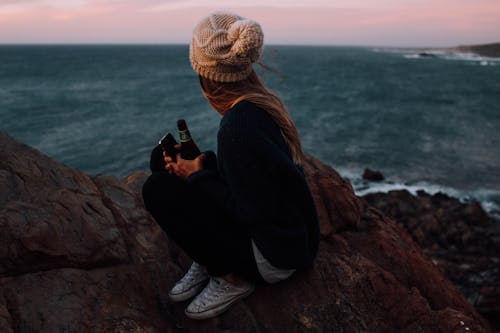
(247, 170)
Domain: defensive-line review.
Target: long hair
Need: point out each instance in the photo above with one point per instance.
(223, 96)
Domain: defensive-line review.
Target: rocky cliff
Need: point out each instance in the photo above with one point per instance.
(79, 253)
(458, 236)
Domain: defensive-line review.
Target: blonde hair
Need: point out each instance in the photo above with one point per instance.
(224, 95)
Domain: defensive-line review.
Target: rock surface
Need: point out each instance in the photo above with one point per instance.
(460, 237)
(80, 254)
(373, 175)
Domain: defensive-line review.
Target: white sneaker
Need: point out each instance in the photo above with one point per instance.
(216, 298)
(191, 283)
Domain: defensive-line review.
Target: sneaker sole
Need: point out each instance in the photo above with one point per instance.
(188, 293)
(219, 309)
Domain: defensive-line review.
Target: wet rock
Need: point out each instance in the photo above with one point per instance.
(373, 175)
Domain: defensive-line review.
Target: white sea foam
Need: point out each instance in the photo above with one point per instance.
(444, 54)
(469, 56)
(488, 198)
(411, 56)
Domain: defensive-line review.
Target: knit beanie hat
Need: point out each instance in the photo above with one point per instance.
(224, 47)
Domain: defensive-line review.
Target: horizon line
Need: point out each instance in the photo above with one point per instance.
(270, 44)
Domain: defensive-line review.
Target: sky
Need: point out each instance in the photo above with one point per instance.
(308, 22)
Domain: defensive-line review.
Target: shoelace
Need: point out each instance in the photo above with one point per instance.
(193, 273)
(215, 288)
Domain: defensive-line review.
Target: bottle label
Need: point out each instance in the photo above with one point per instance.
(184, 136)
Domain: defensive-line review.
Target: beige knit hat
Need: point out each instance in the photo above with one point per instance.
(224, 46)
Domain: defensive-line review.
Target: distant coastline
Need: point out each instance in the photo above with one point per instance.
(485, 50)
(472, 52)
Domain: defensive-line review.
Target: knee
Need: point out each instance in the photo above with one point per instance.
(160, 188)
(152, 189)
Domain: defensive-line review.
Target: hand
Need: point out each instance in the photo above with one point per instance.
(183, 168)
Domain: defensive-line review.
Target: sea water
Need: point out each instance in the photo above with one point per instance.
(425, 122)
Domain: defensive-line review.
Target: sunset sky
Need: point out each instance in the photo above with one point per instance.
(332, 22)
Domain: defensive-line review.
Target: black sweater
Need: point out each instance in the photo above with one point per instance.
(261, 188)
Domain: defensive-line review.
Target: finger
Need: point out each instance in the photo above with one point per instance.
(176, 169)
(168, 159)
(199, 161)
(169, 169)
(166, 155)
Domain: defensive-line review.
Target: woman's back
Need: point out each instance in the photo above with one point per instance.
(271, 192)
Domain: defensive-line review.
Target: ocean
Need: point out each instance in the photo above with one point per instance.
(426, 121)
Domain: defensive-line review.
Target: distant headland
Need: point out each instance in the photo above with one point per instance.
(485, 50)
(471, 52)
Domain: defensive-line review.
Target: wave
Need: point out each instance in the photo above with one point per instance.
(446, 54)
(473, 57)
(489, 199)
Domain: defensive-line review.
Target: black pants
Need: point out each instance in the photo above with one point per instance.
(196, 225)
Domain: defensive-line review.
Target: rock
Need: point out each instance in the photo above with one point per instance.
(79, 253)
(459, 236)
(426, 55)
(488, 303)
(372, 175)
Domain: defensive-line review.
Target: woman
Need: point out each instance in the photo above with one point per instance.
(245, 216)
